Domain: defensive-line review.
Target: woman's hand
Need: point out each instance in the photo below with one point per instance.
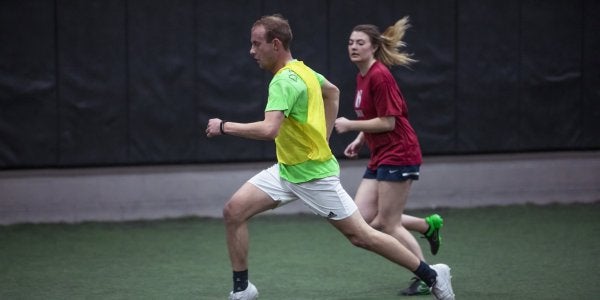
(353, 148)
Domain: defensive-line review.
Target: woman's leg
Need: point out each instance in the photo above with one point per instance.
(392, 198)
(366, 199)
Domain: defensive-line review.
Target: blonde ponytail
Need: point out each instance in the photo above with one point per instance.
(389, 52)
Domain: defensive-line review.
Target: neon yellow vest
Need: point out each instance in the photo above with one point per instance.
(299, 142)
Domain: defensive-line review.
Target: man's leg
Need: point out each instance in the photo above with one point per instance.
(245, 203)
(364, 236)
(327, 198)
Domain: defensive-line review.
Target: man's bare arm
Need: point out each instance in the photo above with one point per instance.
(267, 129)
(331, 101)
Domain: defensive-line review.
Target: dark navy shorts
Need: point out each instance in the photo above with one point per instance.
(393, 173)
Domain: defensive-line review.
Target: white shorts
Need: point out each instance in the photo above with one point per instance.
(325, 197)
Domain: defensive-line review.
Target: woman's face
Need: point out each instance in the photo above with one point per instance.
(360, 48)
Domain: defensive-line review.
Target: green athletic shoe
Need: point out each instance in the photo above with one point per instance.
(416, 287)
(433, 235)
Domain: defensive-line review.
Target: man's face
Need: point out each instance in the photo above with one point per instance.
(261, 50)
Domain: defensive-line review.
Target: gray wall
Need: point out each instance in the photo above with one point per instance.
(156, 192)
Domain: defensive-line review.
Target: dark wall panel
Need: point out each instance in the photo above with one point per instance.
(487, 100)
(92, 82)
(28, 108)
(591, 76)
(134, 82)
(551, 74)
(310, 33)
(162, 117)
(429, 86)
(230, 84)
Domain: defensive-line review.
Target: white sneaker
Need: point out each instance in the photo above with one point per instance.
(442, 288)
(250, 293)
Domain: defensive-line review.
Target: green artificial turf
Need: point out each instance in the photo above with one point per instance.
(514, 252)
